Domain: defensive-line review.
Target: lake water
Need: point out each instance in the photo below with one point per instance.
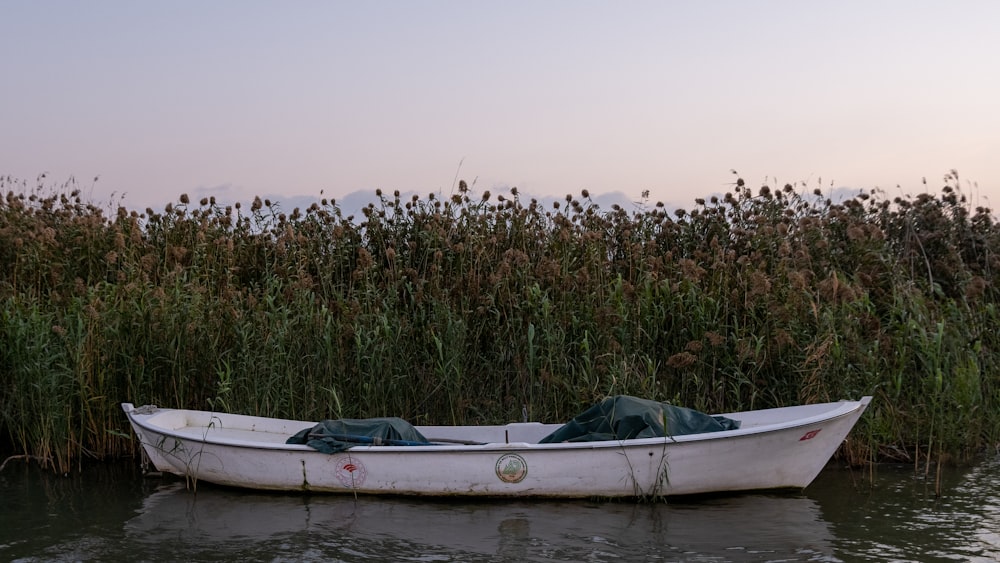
(110, 512)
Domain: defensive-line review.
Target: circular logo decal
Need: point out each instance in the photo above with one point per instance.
(511, 468)
(350, 472)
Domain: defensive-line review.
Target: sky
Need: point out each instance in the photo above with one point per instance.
(141, 101)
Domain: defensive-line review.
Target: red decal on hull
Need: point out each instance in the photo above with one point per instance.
(809, 435)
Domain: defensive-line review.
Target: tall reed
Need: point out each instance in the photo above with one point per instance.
(478, 308)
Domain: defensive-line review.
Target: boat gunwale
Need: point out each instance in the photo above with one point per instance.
(838, 410)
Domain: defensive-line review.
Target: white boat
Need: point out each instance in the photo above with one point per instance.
(782, 448)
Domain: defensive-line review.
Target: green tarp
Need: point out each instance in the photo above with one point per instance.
(623, 418)
(332, 436)
(615, 418)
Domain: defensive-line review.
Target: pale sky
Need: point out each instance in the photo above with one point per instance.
(285, 99)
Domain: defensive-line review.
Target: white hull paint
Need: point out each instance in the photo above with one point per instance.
(773, 449)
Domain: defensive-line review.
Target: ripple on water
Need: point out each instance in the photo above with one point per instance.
(839, 518)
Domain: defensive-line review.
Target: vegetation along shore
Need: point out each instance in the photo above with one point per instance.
(473, 307)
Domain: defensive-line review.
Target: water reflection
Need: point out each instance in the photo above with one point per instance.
(109, 512)
(214, 521)
(898, 516)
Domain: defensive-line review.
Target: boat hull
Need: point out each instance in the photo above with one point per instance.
(775, 449)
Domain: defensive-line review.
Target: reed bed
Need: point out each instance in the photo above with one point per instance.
(479, 308)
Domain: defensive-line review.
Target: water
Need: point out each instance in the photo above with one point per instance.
(111, 512)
